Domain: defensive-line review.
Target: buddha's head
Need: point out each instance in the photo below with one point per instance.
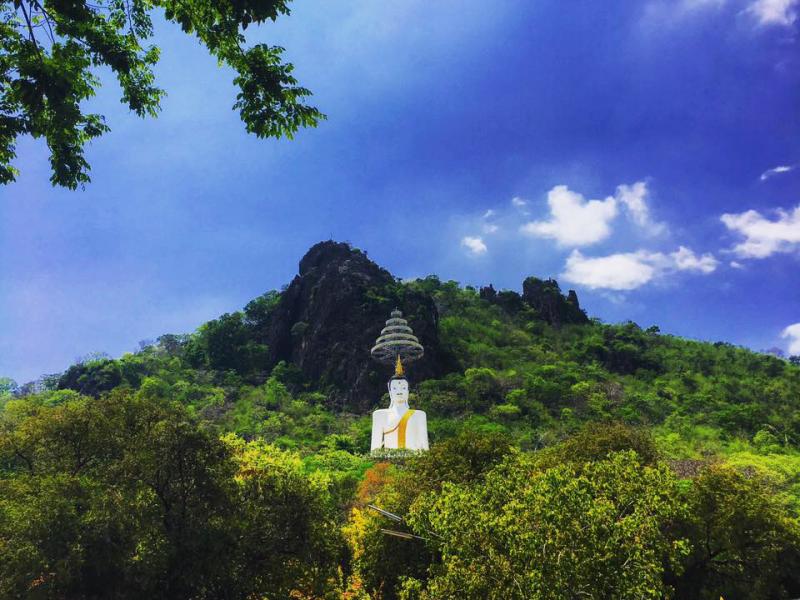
(398, 390)
(398, 385)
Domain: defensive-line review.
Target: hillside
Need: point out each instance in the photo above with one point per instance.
(522, 391)
(528, 363)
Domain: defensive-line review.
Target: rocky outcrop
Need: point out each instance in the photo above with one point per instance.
(329, 317)
(544, 296)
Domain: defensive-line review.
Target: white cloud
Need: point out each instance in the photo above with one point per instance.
(626, 271)
(519, 202)
(686, 260)
(774, 12)
(631, 270)
(474, 245)
(574, 221)
(793, 333)
(736, 265)
(776, 171)
(490, 228)
(763, 236)
(634, 198)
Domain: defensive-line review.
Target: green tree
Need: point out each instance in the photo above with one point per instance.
(127, 497)
(381, 561)
(593, 530)
(7, 388)
(50, 49)
(227, 343)
(744, 542)
(482, 387)
(464, 458)
(597, 441)
(93, 377)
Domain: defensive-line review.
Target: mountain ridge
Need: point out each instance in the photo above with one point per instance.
(294, 367)
(326, 319)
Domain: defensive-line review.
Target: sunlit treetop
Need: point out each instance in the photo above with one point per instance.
(50, 48)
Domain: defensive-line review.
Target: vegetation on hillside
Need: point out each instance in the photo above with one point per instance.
(570, 458)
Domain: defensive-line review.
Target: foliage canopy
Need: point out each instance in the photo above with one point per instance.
(50, 51)
(567, 459)
(126, 497)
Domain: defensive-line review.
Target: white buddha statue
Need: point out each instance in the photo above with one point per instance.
(399, 426)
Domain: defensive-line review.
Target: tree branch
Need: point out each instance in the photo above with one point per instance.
(30, 29)
(37, 5)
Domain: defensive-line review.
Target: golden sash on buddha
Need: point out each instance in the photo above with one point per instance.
(401, 428)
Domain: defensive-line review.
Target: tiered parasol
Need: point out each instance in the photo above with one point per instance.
(397, 340)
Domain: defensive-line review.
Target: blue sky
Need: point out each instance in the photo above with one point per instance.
(643, 153)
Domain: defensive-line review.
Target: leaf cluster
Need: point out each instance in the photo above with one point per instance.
(51, 51)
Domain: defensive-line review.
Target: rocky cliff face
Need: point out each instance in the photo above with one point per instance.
(330, 315)
(544, 297)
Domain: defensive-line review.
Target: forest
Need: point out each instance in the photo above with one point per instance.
(570, 458)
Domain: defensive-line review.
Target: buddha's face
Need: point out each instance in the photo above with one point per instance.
(398, 390)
